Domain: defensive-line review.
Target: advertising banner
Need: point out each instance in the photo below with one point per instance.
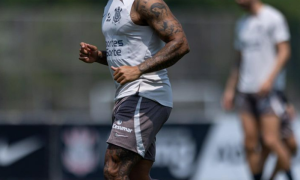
(178, 146)
(24, 152)
(223, 156)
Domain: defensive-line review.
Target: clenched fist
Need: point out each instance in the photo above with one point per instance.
(88, 53)
(125, 74)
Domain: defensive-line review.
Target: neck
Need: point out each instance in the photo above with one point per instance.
(255, 8)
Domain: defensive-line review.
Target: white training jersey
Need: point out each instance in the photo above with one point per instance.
(256, 39)
(128, 44)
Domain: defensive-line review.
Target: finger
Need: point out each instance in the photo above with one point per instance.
(124, 81)
(85, 59)
(82, 55)
(92, 47)
(118, 71)
(117, 75)
(120, 79)
(84, 51)
(82, 45)
(114, 68)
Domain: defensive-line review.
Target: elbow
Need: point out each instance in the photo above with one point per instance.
(184, 46)
(186, 49)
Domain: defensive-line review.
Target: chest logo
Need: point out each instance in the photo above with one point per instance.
(117, 16)
(108, 18)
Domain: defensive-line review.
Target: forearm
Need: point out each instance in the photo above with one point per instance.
(282, 58)
(233, 80)
(102, 58)
(234, 75)
(281, 61)
(166, 57)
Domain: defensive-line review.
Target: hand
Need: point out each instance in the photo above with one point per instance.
(227, 101)
(266, 88)
(125, 74)
(88, 53)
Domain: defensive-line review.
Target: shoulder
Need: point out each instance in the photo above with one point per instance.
(273, 13)
(151, 8)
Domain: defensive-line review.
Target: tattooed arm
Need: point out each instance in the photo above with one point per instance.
(157, 14)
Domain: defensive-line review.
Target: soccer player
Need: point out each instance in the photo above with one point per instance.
(143, 38)
(262, 42)
(286, 112)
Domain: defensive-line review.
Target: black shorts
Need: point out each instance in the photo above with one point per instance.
(258, 105)
(136, 121)
(270, 104)
(286, 127)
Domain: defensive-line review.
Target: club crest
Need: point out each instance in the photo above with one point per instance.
(117, 16)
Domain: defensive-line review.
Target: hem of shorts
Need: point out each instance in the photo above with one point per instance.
(246, 92)
(164, 103)
(260, 114)
(127, 148)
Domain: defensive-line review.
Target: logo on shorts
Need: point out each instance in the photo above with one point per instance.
(119, 122)
(122, 128)
(117, 16)
(120, 135)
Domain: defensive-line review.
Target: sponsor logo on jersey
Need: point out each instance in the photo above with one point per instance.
(122, 128)
(117, 16)
(114, 44)
(108, 19)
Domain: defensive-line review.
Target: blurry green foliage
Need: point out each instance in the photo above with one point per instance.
(289, 7)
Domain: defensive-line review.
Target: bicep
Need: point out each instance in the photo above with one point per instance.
(159, 16)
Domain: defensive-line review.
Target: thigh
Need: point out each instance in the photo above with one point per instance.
(250, 126)
(291, 143)
(119, 161)
(270, 126)
(141, 171)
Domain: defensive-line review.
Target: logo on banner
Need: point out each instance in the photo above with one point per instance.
(12, 153)
(81, 154)
(177, 150)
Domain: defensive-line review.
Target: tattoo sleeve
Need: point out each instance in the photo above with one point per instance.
(102, 58)
(160, 18)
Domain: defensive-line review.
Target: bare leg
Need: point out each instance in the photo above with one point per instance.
(270, 125)
(291, 144)
(265, 152)
(251, 134)
(119, 162)
(141, 171)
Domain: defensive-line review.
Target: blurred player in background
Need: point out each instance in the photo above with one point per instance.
(262, 42)
(143, 38)
(286, 112)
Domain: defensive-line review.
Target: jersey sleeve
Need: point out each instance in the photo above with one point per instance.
(280, 30)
